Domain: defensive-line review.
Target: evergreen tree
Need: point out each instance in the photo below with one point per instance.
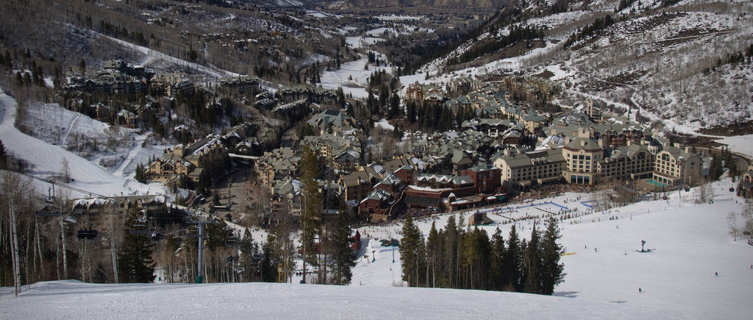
(395, 110)
(343, 256)
(532, 262)
(433, 254)
(135, 256)
(250, 253)
(716, 169)
(268, 263)
(311, 217)
(3, 156)
(496, 275)
(340, 93)
(411, 112)
(140, 173)
(409, 249)
(512, 265)
(552, 272)
(421, 266)
(479, 273)
(522, 281)
(451, 253)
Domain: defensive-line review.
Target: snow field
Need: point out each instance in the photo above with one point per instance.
(690, 241)
(75, 300)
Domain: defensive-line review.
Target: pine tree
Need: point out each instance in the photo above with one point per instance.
(482, 261)
(135, 256)
(3, 156)
(249, 255)
(421, 266)
(343, 256)
(395, 110)
(268, 263)
(512, 265)
(433, 254)
(411, 112)
(409, 251)
(552, 272)
(522, 281)
(469, 254)
(140, 175)
(532, 262)
(311, 216)
(496, 275)
(451, 253)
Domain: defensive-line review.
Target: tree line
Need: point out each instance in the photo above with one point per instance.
(517, 33)
(433, 117)
(462, 258)
(589, 30)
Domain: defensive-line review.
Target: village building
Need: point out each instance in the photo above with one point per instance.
(527, 168)
(376, 206)
(632, 162)
(582, 156)
(676, 166)
(275, 165)
(355, 186)
(331, 121)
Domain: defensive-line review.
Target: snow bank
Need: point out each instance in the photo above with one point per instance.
(384, 124)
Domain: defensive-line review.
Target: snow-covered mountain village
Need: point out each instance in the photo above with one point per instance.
(376, 159)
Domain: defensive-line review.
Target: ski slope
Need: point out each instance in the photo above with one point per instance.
(691, 243)
(47, 161)
(75, 300)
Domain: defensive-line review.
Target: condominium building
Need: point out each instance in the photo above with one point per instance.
(677, 166)
(629, 162)
(582, 156)
(528, 167)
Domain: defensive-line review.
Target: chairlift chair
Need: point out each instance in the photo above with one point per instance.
(87, 234)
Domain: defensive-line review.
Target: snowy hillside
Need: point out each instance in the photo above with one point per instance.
(690, 241)
(47, 161)
(668, 62)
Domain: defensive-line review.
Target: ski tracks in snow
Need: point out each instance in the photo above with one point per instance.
(70, 128)
(132, 154)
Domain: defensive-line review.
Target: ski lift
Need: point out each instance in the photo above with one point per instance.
(48, 211)
(87, 234)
